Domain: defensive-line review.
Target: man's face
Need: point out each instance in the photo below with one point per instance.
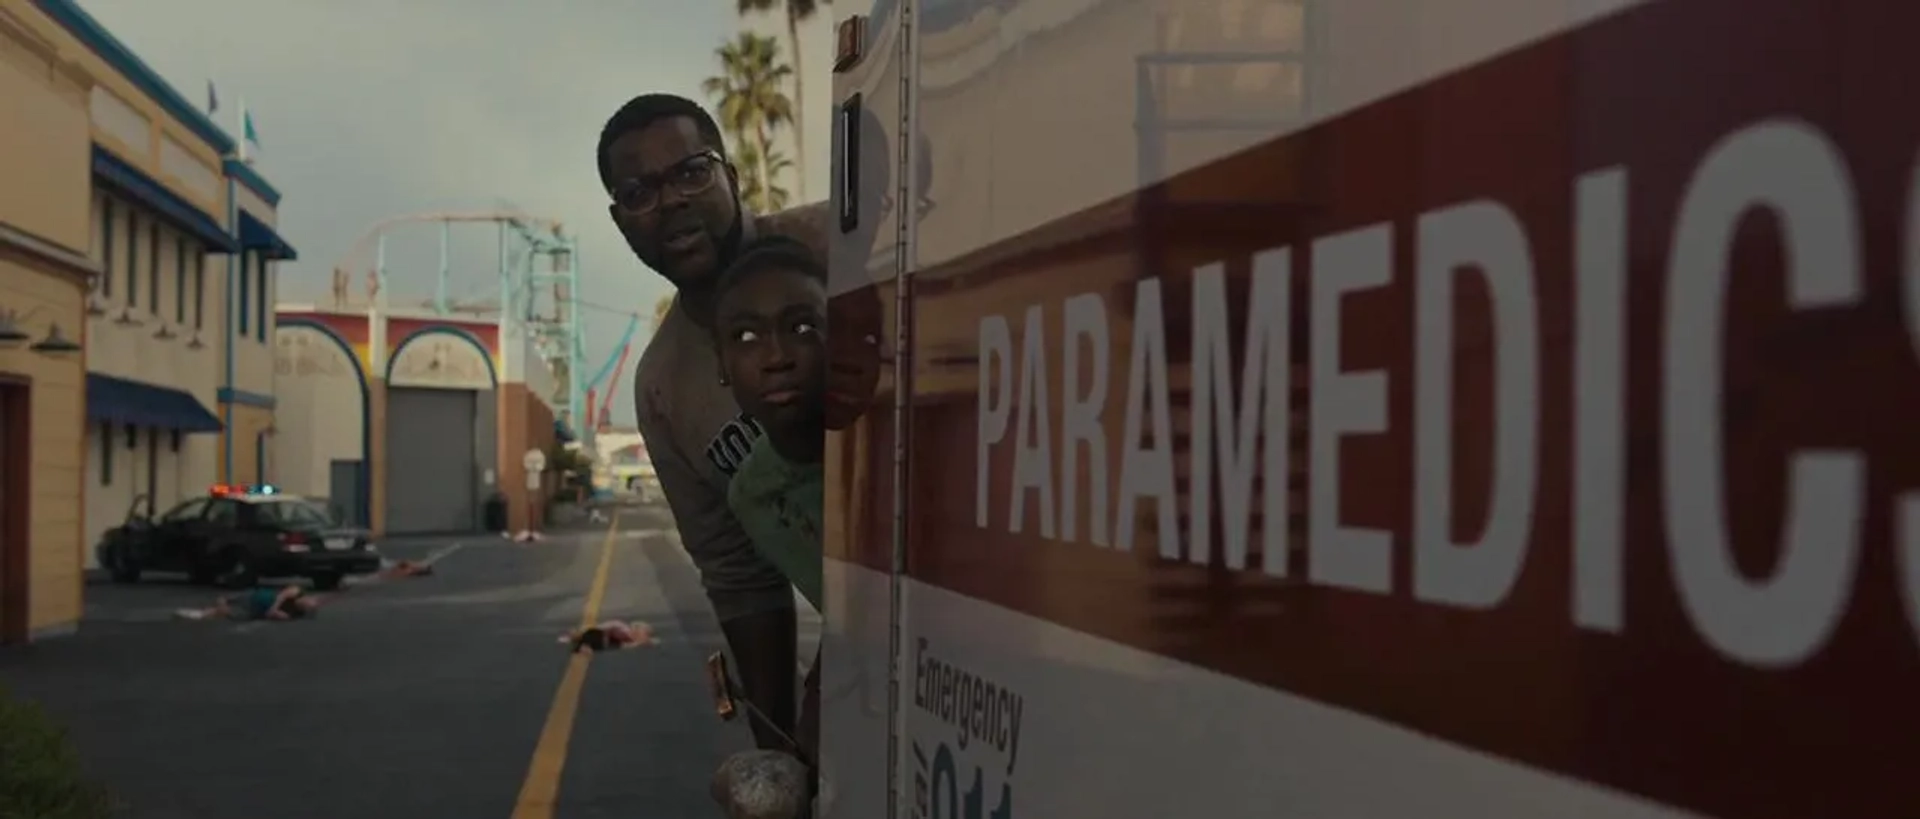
(673, 199)
(772, 348)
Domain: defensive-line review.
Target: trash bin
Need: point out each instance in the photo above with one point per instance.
(495, 512)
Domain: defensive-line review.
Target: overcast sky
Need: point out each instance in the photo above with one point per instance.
(368, 109)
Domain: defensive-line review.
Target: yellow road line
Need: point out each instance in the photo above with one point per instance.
(541, 789)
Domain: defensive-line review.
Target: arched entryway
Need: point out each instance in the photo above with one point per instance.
(440, 431)
(321, 446)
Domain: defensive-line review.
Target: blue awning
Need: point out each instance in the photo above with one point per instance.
(257, 235)
(122, 401)
(137, 185)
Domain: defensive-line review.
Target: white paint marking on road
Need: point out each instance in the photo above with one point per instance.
(441, 554)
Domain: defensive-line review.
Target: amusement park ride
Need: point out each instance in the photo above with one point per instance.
(538, 294)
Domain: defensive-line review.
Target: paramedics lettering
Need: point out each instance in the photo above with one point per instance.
(1238, 455)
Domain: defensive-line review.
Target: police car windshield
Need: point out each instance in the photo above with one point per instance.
(291, 512)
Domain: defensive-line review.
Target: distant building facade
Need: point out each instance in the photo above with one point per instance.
(410, 423)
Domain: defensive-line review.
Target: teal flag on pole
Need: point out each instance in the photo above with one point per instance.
(249, 137)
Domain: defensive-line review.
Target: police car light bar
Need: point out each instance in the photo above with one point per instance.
(223, 489)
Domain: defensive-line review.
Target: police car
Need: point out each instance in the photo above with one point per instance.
(237, 535)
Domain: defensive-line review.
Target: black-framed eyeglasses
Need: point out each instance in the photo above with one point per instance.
(689, 177)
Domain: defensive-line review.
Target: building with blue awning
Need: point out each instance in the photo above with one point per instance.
(156, 319)
(247, 399)
(127, 403)
(163, 316)
(136, 292)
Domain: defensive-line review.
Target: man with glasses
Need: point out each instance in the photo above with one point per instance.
(676, 199)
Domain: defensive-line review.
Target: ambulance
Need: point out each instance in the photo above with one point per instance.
(1345, 409)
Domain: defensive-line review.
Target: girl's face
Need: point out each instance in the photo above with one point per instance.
(772, 345)
(853, 358)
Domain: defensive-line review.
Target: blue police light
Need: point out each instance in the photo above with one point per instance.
(222, 490)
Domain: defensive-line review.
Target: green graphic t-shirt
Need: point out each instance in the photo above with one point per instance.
(778, 503)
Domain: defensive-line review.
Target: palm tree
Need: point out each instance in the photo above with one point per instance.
(761, 192)
(798, 11)
(747, 93)
(777, 163)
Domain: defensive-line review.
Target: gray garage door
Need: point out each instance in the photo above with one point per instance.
(431, 461)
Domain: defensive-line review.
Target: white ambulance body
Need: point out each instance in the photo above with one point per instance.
(1378, 408)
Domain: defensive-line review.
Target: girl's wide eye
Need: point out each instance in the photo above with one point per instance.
(805, 328)
(870, 340)
(745, 336)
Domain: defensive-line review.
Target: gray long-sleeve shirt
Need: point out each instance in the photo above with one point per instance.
(697, 436)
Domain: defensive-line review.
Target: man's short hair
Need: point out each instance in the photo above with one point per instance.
(647, 109)
(769, 252)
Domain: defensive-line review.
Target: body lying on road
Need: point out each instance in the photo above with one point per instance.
(408, 568)
(609, 636)
(261, 603)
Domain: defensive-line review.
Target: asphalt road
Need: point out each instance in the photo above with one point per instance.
(415, 698)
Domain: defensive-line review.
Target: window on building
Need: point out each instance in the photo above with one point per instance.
(133, 258)
(266, 302)
(199, 289)
(180, 280)
(246, 278)
(133, 437)
(174, 442)
(153, 467)
(153, 267)
(106, 247)
(106, 454)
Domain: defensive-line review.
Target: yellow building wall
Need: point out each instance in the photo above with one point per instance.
(44, 157)
(245, 425)
(45, 166)
(126, 122)
(58, 407)
(131, 125)
(189, 306)
(252, 354)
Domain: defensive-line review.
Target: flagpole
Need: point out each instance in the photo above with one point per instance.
(246, 150)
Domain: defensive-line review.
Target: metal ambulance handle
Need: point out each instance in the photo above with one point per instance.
(848, 164)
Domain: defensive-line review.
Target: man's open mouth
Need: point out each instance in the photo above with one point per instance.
(683, 239)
